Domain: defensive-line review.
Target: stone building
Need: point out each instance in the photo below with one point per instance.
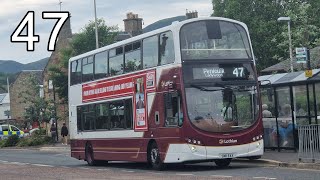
(63, 42)
(133, 24)
(17, 106)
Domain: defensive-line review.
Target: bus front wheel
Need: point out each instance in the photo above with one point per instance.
(154, 157)
(222, 162)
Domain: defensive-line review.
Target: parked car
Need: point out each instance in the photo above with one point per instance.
(7, 130)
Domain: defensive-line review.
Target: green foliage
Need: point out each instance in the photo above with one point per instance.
(34, 140)
(81, 43)
(38, 109)
(2, 142)
(269, 37)
(12, 140)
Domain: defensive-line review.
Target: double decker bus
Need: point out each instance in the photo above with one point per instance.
(184, 93)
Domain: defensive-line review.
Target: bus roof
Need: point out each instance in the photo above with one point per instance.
(174, 25)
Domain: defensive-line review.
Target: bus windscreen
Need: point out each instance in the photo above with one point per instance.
(213, 39)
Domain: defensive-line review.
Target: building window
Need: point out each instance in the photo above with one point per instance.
(150, 52)
(116, 61)
(166, 47)
(101, 65)
(133, 57)
(76, 72)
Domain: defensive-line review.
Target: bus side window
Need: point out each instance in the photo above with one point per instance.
(132, 57)
(171, 109)
(150, 52)
(87, 69)
(116, 61)
(166, 48)
(101, 65)
(76, 72)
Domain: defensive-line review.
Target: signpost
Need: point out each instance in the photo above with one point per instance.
(301, 55)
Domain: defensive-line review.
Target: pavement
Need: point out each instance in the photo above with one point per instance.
(284, 158)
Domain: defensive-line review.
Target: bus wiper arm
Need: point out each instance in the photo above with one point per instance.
(203, 88)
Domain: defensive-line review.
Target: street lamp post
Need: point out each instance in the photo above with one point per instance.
(287, 19)
(95, 23)
(51, 87)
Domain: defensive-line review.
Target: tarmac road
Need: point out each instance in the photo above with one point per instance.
(35, 164)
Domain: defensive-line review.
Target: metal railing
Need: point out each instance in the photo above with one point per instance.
(309, 143)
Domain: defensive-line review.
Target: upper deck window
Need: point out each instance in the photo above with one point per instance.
(116, 61)
(101, 65)
(214, 39)
(150, 52)
(87, 69)
(166, 48)
(76, 72)
(133, 57)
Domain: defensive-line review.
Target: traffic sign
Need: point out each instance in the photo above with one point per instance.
(308, 73)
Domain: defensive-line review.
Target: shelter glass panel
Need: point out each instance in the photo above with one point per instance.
(285, 124)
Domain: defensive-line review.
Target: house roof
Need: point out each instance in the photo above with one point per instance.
(36, 73)
(4, 98)
(284, 66)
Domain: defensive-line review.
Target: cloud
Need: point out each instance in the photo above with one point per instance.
(113, 11)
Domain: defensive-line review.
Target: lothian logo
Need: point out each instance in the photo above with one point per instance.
(227, 141)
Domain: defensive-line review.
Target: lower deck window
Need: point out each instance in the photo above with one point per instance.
(105, 116)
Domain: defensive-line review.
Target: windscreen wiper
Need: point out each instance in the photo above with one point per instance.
(205, 89)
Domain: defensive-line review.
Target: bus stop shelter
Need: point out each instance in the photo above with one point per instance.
(288, 100)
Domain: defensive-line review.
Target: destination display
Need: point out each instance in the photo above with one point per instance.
(223, 71)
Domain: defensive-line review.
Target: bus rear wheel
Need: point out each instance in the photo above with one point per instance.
(222, 162)
(154, 157)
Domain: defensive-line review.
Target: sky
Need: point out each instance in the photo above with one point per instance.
(82, 11)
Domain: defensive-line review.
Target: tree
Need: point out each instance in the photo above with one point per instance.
(81, 43)
(38, 109)
(269, 37)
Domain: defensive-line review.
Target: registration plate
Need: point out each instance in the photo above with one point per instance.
(226, 155)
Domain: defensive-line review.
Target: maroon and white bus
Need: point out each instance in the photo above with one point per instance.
(187, 92)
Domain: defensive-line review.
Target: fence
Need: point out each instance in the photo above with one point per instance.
(309, 143)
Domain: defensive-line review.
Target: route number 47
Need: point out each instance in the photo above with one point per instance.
(30, 38)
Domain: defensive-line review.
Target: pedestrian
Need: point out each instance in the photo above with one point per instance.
(64, 134)
(53, 131)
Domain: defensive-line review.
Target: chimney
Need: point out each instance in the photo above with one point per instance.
(65, 31)
(133, 24)
(192, 14)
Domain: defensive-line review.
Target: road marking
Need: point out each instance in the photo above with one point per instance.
(19, 163)
(221, 176)
(181, 174)
(127, 171)
(42, 165)
(269, 178)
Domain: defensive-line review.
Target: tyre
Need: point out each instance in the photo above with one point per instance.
(154, 158)
(222, 162)
(89, 155)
